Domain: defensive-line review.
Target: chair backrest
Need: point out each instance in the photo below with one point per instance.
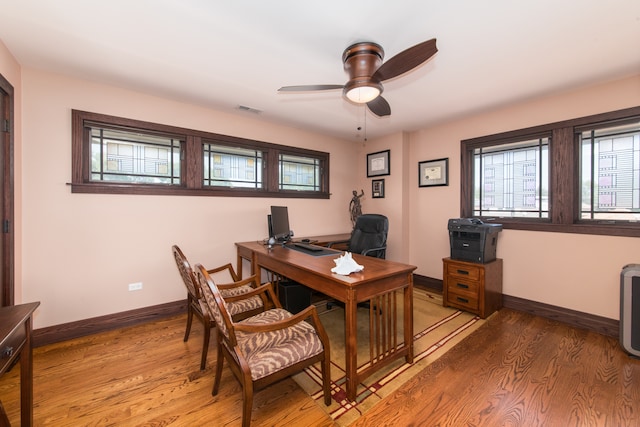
(188, 276)
(369, 232)
(215, 303)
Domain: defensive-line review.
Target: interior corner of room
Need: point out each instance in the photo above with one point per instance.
(98, 261)
(107, 233)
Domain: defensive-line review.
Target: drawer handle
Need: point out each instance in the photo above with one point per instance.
(462, 285)
(462, 299)
(463, 272)
(7, 352)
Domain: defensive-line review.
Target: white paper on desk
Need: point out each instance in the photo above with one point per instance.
(345, 265)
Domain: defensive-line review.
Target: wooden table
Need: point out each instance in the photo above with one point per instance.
(340, 240)
(378, 282)
(15, 336)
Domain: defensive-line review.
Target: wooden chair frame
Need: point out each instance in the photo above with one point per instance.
(228, 345)
(194, 294)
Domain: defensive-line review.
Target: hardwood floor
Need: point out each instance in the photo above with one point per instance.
(146, 375)
(518, 370)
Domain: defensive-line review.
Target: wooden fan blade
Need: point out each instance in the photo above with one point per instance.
(308, 88)
(380, 107)
(406, 60)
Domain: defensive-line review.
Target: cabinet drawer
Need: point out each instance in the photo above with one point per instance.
(11, 348)
(459, 270)
(460, 285)
(463, 300)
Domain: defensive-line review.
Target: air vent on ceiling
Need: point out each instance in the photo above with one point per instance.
(249, 109)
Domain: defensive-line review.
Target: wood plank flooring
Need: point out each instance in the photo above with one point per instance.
(146, 375)
(518, 370)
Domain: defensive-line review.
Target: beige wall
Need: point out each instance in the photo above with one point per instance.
(82, 250)
(76, 253)
(580, 272)
(395, 204)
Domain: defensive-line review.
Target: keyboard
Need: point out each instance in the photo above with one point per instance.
(308, 247)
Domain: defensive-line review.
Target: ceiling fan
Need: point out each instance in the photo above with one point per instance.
(363, 62)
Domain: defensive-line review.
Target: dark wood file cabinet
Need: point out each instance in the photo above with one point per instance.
(472, 287)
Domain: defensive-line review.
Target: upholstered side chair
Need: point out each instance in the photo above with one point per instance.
(240, 310)
(267, 347)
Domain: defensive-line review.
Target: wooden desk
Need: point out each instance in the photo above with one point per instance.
(340, 240)
(15, 336)
(378, 282)
(325, 240)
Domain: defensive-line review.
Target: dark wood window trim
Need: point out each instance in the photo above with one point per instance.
(564, 186)
(192, 163)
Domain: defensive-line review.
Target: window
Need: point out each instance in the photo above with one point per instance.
(232, 167)
(512, 179)
(130, 157)
(610, 172)
(124, 156)
(576, 176)
(299, 173)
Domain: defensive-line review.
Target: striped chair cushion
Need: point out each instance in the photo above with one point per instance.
(241, 306)
(268, 352)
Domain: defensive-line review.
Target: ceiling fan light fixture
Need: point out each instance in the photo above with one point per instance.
(362, 91)
(363, 63)
(363, 94)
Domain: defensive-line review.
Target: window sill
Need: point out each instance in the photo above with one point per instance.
(622, 230)
(158, 190)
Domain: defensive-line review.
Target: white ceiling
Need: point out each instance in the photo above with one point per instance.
(227, 53)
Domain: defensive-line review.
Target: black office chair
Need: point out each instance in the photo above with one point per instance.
(369, 236)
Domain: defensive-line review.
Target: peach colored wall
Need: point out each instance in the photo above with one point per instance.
(11, 70)
(76, 253)
(395, 202)
(579, 272)
(82, 250)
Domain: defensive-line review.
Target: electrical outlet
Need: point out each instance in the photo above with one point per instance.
(135, 286)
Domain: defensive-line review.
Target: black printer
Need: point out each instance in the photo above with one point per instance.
(473, 240)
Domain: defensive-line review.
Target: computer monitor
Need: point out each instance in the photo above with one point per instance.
(280, 223)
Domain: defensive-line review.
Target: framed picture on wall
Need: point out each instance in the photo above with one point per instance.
(377, 188)
(433, 173)
(378, 164)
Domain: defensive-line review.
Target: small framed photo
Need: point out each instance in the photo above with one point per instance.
(377, 189)
(433, 173)
(378, 164)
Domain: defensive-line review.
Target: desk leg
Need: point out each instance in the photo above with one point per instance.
(351, 347)
(4, 419)
(26, 380)
(255, 268)
(408, 318)
(239, 259)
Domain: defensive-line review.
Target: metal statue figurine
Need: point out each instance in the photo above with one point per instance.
(354, 206)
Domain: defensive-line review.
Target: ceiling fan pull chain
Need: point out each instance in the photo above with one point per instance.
(365, 124)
